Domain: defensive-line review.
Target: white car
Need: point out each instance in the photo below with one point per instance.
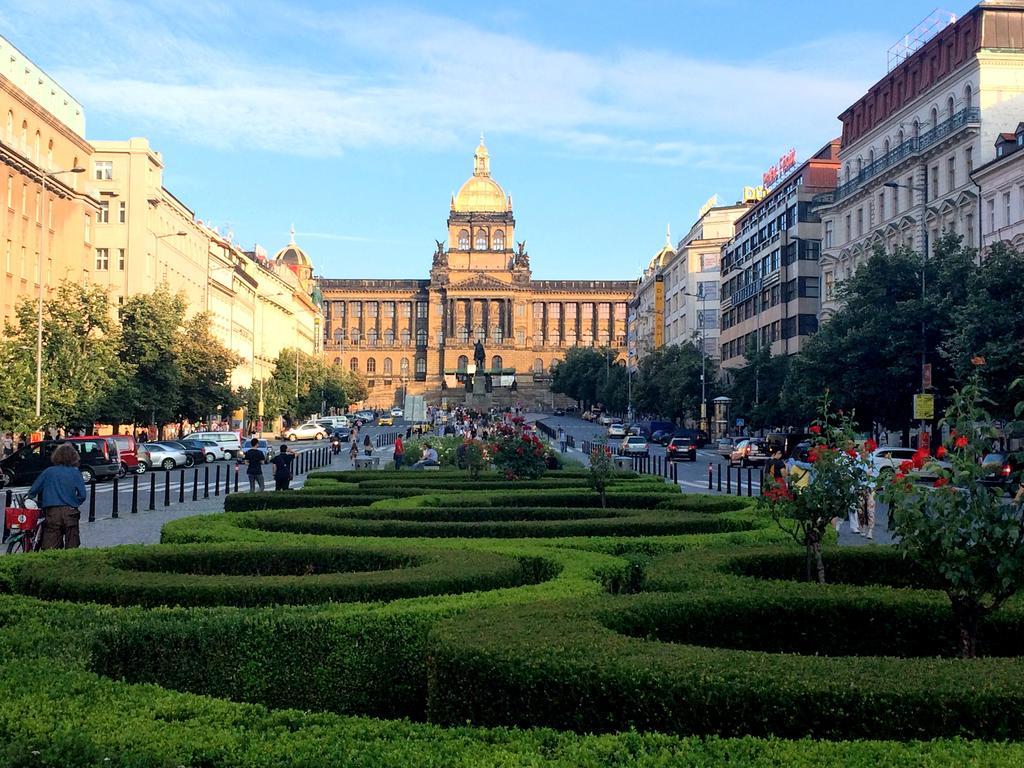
(634, 446)
(308, 431)
(605, 420)
(397, 412)
(886, 462)
(230, 443)
(166, 457)
(616, 430)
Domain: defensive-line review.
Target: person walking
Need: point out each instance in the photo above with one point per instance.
(367, 447)
(399, 452)
(353, 452)
(775, 469)
(254, 459)
(283, 468)
(561, 438)
(60, 491)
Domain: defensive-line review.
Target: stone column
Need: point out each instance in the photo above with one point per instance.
(485, 315)
(469, 312)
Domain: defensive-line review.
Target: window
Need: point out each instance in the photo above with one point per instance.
(355, 335)
(104, 215)
(538, 366)
(497, 363)
(389, 336)
(860, 222)
(935, 181)
(949, 107)
(849, 228)
(969, 229)
(499, 240)
(355, 309)
(371, 365)
(406, 336)
(103, 170)
(951, 173)
(102, 259)
(463, 240)
(389, 309)
(520, 336)
(371, 309)
(968, 96)
(480, 242)
(463, 334)
(991, 214)
(122, 213)
(828, 233)
(404, 366)
(969, 159)
(881, 206)
(421, 310)
(1006, 208)
(120, 259)
(421, 338)
(421, 366)
(371, 337)
(463, 363)
(521, 310)
(353, 364)
(478, 333)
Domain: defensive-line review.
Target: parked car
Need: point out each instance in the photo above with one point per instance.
(397, 412)
(749, 451)
(605, 419)
(726, 445)
(680, 448)
(99, 460)
(308, 431)
(211, 450)
(885, 461)
(616, 430)
(342, 433)
(1002, 470)
(230, 442)
(661, 437)
(193, 456)
(699, 436)
(588, 416)
(634, 445)
(128, 451)
(386, 420)
(167, 457)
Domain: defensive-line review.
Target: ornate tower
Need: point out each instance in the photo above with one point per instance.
(481, 227)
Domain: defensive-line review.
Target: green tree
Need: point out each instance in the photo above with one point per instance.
(756, 390)
(17, 382)
(149, 337)
(205, 367)
(580, 374)
(79, 362)
(668, 381)
(599, 473)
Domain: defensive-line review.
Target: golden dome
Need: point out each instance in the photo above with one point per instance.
(292, 255)
(481, 193)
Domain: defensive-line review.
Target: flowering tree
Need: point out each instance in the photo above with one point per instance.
(601, 467)
(516, 452)
(822, 489)
(964, 535)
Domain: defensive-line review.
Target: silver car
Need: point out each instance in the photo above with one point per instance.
(165, 457)
(308, 431)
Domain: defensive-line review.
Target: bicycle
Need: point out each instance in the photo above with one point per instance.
(23, 526)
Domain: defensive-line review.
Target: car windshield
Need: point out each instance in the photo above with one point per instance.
(636, 440)
(994, 458)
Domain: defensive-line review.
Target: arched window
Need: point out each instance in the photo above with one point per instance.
(497, 335)
(355, 335)
(538, 366)
(899, 137)
(339, 334)
(387, 366)
(847, 172)
(968, 96)
(497, 363)
(371, 365)
(859, 166)
(353, 364)
(337, 361)
(480, 243)
(463, 240)
(371, 337)
(406, 336)
(871, 158)
(421, 365)
(403, 367)
(478, 333)
(37, 144)
(935, 117)
(885, 147)
(24, 136)
(463, 362)
(949, 107)
(49, 154)
(917, 129)
(389, 336)
(421, 338)
(499, 240)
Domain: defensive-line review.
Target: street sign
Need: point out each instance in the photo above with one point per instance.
(924, 407)
(740, 422)
(926, 376)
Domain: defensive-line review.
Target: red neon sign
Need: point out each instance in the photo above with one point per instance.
(780, 169)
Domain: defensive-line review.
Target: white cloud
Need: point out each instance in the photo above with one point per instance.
(392, 78)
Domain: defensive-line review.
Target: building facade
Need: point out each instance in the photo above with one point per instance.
(44, 239)
(911, 143)
(1001, 182)
(770, 272)
(418, 336)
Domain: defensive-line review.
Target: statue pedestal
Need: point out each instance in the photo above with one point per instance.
(479, 398)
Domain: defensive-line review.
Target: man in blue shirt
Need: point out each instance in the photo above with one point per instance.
(59, 491)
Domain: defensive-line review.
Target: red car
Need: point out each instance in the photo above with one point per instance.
(128, 451)
(681, 448)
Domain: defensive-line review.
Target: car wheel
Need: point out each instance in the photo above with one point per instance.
(292, 438)
(319, 436)
(88, 476)
(6, 478)
(122, 470)
(210, 458)
(167, 464)
(142, 468)
(189, 461)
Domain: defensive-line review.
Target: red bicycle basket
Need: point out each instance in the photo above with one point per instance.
(20, 518)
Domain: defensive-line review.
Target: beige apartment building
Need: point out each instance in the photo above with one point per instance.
(42, 239)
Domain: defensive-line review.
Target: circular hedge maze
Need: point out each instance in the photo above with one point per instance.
(409, 618)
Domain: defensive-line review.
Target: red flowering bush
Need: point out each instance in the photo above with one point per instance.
(517, 453)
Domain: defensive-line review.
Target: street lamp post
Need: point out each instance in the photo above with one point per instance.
(43, 226)
(923, 189)
(703, 353)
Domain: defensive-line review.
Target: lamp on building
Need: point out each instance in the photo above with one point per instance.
(43, 225)
(923, 189)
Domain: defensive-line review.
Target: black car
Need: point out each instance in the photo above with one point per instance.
(1002, 470)
(194, 454)
(681, 448)
(344, 434)
(660, 437)
(559, 411)
(99, 460)
(699, 436)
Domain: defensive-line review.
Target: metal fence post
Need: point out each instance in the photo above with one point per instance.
(92, 502)
(728, 478)
(114, 501)
(167, 489)
(135, 494)
(195, 484)
(216, 482)
(750, 486)
(181, 488)
(152, 492)
(719, 477)
(206, 481)
(710, 475)
(236, 479)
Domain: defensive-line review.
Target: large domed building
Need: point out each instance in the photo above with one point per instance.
(418, 336)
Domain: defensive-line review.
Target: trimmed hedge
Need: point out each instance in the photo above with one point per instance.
(247, 575)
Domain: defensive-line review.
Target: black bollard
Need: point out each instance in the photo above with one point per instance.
(227, 479)
(92, 502)
(728, 479)
(152, 492)
(206, 482)
(115, 500)
(236, 479)
(167, 489)
(739, 480)
(8, 498)
(719, 477)
(135, 494)
(750, 485)
(181, 488)
(675, 473)
(195, 484)
(216, 482)
(710, 475)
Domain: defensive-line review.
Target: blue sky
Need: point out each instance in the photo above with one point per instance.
(357, 121)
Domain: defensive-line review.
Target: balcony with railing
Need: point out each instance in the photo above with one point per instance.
(965, 118)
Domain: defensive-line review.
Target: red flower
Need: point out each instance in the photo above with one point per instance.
(870, 445)
(919, 458)
(906, 466)
(852, 453)
(941, 481)
(898, 476)
(941, 452)
(813, 455)
(977, 360)
(815, 429)
(961, 442)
